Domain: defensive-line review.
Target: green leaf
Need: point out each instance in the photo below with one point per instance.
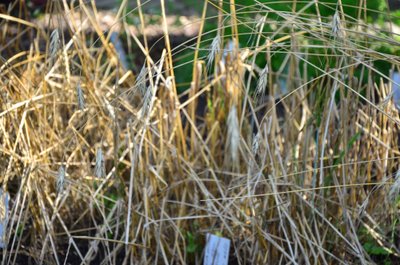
(191, 245)
(374, 249)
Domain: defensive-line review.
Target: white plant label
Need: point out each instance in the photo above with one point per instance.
(217, 250)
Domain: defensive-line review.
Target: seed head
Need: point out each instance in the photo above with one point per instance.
(233, 134)
(337, 30)
(99, 167)
(80, 97)
(54, 43)
(60, 179)
(147, 99)
(262, 82)
(395, 189)
(215, 49)
(110, 109)
(256, 143)
(140, 83)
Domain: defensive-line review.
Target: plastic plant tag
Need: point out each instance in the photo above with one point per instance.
(4, 199)
(217, 250)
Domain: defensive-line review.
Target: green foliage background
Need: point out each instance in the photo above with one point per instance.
(376, 14)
